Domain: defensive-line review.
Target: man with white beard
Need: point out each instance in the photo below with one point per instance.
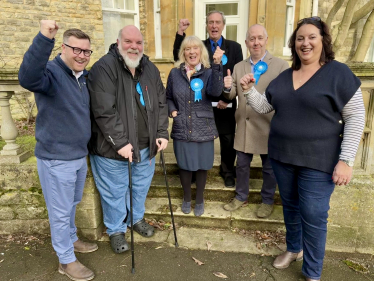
(129, 124)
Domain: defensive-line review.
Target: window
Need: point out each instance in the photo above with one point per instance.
(290, 17)
(117, 14)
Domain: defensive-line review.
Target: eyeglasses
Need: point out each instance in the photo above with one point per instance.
(77, 51)
(315, 18)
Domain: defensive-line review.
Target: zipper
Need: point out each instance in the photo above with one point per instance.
(134, 114)
(149, 102)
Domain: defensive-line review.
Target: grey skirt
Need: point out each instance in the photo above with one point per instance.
(193, 156)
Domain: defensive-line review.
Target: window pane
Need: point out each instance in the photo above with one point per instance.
(232, 32)
(228, 9)
(130, 5)
(112, 23)
(119, 4)
(107, 3)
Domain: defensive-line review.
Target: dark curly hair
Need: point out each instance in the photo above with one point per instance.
(327, 54)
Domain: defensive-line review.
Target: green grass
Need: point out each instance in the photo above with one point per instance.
(27, 142)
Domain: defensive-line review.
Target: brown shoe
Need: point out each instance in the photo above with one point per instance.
(76, 271)
(264, 210)
(284, 260)
(84, 247)
(235, 204)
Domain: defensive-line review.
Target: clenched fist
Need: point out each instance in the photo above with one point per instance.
(247, 81)
(48, 28)
(217, 56)
(183, 25)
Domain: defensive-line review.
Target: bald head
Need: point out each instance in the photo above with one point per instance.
(256, 28)
(256, 41)
(130, 45)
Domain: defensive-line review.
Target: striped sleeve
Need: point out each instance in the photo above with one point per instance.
(353, 114)
(257, 101)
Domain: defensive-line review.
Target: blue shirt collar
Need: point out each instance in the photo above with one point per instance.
(219, 43)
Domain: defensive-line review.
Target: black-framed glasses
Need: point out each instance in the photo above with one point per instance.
(77, 51)
(314, 18)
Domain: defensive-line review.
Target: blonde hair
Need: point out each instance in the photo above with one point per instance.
(193, 41)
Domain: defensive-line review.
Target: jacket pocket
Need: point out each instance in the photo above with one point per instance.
(204, 121)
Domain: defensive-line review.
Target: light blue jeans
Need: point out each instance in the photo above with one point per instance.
(112, 181)
(62, 184)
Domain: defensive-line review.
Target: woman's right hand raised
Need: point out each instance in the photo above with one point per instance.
(247, 81)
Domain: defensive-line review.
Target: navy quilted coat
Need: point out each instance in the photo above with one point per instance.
(195, 120)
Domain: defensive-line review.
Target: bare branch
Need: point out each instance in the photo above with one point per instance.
(363, 11)
(367, 35)
(344, 26)
(333, 12)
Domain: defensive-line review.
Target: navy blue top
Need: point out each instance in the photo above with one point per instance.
(63, 126)
(307, 126)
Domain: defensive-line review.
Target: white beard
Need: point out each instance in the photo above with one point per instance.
(131, 63)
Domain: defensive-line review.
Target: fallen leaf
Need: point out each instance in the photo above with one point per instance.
(220, 275)
(160, 247)
(27, 248)
(197, 261)
(1, 261)
(253, 274)
(258, 245)
(209, 244)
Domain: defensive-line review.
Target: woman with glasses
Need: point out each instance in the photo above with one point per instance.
(314, 136)
(188, 92)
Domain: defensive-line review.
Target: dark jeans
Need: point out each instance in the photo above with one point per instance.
(305, 197)
(243, 164)
(228, 154)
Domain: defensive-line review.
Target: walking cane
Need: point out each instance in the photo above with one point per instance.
(162, 158)
(132, 222)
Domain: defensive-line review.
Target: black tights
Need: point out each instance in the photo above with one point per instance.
(186, 177)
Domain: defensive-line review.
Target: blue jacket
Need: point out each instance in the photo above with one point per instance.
(195, 120)
(63, 126)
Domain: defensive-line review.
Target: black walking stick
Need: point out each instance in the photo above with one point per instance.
(132, 222)
(162, 158)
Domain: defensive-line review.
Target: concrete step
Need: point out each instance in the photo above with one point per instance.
(172, 167)
(214, 189)
(215, 216)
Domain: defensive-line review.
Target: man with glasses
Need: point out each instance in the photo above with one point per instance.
(63, 129)
(224, 109)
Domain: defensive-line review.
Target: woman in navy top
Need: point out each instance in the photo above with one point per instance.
(314, 136)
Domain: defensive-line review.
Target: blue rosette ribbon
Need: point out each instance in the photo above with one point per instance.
(259, 69)
(197, 85)
(140, 92)
(224, 59)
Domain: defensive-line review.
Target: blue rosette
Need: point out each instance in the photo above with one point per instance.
(259, 69)
(197, 85)
(224, 59)
(140, 92)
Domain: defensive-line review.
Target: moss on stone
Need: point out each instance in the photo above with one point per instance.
(356, 266)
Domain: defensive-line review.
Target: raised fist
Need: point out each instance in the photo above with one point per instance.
(247, 81)
(183, 25)
(217, 56)
(48, 28)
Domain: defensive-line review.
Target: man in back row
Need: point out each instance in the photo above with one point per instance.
(253, 128)
(224, 109)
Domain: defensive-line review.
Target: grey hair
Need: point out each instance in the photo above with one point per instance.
(215, 12)
(120, 34)
(265, 32)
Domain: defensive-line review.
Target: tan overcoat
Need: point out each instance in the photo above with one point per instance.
(252, 131)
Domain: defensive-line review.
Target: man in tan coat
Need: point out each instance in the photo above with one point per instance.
(252, 128)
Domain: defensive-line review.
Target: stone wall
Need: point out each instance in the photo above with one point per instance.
(19, 23)
(347, 50)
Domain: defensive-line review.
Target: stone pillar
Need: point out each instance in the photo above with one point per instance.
(12, 152)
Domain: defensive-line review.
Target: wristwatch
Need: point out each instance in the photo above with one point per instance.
(349, 162)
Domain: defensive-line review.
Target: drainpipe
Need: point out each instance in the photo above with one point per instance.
(315, 8)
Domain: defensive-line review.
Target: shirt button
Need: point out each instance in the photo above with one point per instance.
(340, 122)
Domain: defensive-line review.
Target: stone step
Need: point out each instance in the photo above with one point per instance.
(214, 216)
(172, 167)
(214, 189)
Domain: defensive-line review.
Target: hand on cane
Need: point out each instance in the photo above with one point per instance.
(126, 152)
(162, 144)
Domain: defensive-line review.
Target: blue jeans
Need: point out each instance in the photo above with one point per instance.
(305, 197)
(112, 181)
(62, 184)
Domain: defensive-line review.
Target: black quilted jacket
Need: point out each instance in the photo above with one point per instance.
(195, 120)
